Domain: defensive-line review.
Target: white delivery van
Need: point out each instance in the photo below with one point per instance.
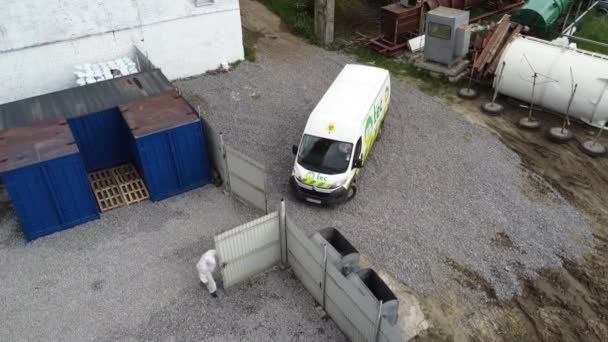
(339, 134)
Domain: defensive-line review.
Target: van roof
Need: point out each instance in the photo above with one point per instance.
(346, 103)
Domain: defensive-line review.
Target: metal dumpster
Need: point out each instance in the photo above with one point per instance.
(340, 251)
(368, 281)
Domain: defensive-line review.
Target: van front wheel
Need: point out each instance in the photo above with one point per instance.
(352, 192)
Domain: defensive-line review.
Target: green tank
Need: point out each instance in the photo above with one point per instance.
(541, 15)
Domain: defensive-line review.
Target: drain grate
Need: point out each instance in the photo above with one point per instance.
(118, 187)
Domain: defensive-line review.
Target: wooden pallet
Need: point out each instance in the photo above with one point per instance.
(126, 173)
(134, 191)
(118, 187)
(106, 190)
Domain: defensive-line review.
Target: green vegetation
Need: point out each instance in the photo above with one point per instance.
(594, 27)
(297, 14)
(433, 85)
(250, 54)
(358, 16)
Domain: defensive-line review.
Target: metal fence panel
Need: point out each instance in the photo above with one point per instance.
(305, 262)
(247, 178)
(353, 311)
(248, 249)
(256, 246)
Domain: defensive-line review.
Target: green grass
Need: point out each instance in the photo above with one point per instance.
(594, 27)
(250, 54)
(437, 86)
(297, 15)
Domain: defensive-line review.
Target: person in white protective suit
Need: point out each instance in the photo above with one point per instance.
(206, 266)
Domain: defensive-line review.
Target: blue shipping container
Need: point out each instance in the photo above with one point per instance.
(173, 161)
(51, 196)
(102, 138)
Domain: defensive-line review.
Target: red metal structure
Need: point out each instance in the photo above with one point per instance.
(460, 4)
(399, 23)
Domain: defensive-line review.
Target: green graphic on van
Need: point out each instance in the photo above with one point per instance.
(372, 123)
(316, 180)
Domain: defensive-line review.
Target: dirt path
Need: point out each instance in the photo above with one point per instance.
(570, 303)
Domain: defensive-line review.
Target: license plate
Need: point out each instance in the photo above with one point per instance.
(312, 200)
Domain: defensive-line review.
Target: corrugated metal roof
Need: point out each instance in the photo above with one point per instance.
(42, 141)
(157, 113)
(79, 101)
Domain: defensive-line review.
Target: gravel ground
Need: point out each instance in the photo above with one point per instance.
(131, 276)
(441, 202)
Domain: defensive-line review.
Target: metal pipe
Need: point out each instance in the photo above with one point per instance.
(567, 17)
(502, 10)
(532, 99)
(567, 121)
(599, 133)
(580, 17)
(498, 82)
(585, 40)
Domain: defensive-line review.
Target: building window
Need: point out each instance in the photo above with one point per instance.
(440, 31)
(200, 3)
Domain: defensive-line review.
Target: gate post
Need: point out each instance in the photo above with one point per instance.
(324, 21)
(376, 337)
(324, 276)
(225, 159)
(283, 234)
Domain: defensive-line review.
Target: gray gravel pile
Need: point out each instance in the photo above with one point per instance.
(132, 276)
(440, 200)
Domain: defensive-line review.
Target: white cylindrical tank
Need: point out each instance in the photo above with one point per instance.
(552, 62)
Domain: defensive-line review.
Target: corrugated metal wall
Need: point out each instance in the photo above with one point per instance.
(102, 138)
(256, 246)
(247, 178)
(173, 161)
(51, 196)
(248, 249)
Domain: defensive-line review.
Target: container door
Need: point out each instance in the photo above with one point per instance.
(72, 190)
(190, 156)
(102, 138)
(33, 200)
(157, 165)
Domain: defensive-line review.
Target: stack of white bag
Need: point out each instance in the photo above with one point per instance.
(91, 73)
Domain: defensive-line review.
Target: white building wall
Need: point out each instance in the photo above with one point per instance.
(42, 40)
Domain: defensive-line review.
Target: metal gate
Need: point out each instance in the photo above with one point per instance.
(243, 177)
(248, 249)
(246, 178)
(258, 245)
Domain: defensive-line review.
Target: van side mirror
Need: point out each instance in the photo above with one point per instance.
(294, 149)
(357, 163)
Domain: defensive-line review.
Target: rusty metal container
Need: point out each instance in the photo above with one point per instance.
(399, 23)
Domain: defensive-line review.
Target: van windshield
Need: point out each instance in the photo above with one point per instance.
(324, 155)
